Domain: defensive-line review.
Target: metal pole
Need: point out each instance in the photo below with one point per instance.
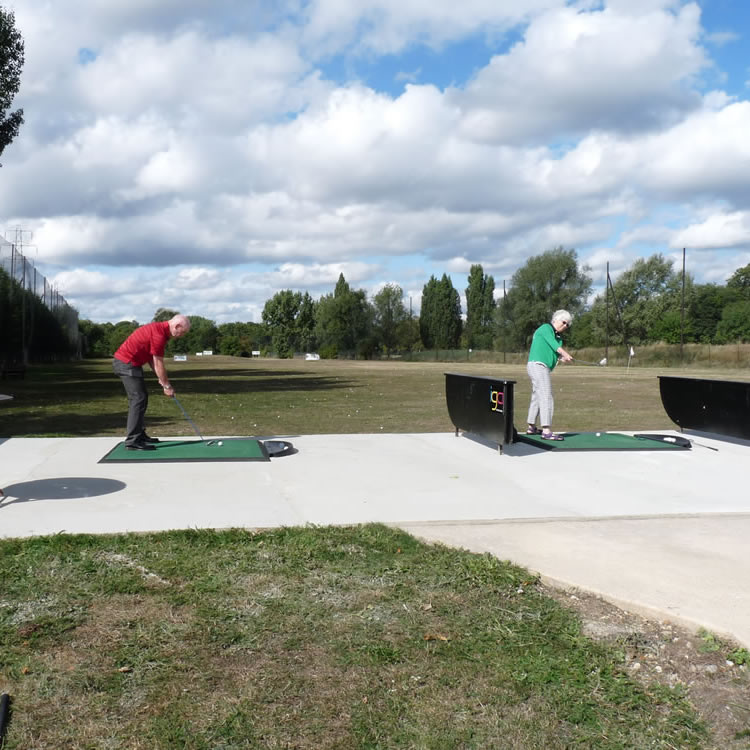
(682, 307)
(504, 344)
(606, 329)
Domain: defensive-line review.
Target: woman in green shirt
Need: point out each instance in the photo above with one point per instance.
(546, 350)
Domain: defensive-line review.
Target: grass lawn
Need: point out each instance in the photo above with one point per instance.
(305, 638)
(231, 396)
(309, 637)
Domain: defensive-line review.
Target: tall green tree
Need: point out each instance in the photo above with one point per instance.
(343, 322)
(280, 316)
(642, 302)
(389, 316)
(307, 340)
(545, 283)
(704, 309)
(427, 313)
(11, 64)
(480, 309)
(440, 315)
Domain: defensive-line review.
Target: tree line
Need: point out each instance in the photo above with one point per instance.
(649, 302)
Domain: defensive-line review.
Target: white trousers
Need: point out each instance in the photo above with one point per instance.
(542, 403)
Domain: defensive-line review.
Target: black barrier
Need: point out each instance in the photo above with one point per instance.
(481, 405)
(720, 406)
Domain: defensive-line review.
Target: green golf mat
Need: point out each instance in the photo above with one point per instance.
(171, 451)
(606, 441)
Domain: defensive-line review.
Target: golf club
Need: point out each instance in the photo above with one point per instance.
(601, 363)
(195, 426)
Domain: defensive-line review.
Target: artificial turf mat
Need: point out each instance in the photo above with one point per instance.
(605, 441)
(172, 451)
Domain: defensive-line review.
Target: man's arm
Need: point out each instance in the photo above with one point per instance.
(157, 365)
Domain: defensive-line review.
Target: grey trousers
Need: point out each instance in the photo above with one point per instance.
(542, 403)
(135, 388)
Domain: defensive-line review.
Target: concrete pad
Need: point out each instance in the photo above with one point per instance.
(659, 531)
(691, 570)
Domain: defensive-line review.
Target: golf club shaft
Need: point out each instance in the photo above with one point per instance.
(583, 362)
(195, 426)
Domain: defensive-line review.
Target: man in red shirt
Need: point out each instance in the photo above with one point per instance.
(145, 346)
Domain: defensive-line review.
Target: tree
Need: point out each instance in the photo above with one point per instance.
(547, 282)
(480, 309)
(163, 314)
(306, 341)
(739, 281)
(95, 338)
(280, 314)
(11, 63)
(735, 323)
(705, 305)
(643, 297)
(427, 313)
(440, 316)
(343, 322)
(239, 339)
(389, 316)
(202, 336)
(119, 332)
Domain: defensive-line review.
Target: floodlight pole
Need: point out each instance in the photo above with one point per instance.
(682, 307)
(504, 326)
(606, 328)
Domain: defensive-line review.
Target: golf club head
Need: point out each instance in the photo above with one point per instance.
(603, 362)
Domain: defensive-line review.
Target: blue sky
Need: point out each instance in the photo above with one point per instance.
(202, 155)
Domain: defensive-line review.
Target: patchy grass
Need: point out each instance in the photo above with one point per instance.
(305, 638)
(232, 396)
(301, 638)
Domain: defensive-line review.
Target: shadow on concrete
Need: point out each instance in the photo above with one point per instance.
(63, 488)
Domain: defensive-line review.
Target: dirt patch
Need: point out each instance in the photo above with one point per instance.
(660, 652)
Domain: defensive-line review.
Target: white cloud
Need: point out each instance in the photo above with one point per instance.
(200, 154)
(81, 282)
(387, 26)
(613, 69)
(724, 230)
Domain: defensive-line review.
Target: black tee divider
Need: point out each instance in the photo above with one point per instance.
(718, 406)
(481, 405)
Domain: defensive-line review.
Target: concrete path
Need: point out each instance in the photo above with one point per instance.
(660, 532)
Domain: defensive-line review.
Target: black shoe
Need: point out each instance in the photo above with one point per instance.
(144, 438)
(139, 446)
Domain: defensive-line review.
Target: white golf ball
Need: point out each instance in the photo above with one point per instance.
(598, 434)
(220, 443)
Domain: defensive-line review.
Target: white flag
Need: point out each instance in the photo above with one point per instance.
(632, 353)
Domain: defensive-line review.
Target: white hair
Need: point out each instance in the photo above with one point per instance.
(563, 315)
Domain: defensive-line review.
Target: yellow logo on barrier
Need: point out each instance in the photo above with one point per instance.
(496, 400)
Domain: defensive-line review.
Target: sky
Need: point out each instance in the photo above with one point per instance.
(202, 155)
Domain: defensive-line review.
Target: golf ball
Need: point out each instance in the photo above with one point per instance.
(598, 434)
(220, 443)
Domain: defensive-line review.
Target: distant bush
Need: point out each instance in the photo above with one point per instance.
(329, 352)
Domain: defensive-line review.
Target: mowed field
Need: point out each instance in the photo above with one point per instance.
(270, 397)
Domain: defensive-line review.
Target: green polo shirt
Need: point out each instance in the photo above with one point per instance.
(544, 345)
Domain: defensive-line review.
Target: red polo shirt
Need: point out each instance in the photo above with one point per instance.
(144, 343)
